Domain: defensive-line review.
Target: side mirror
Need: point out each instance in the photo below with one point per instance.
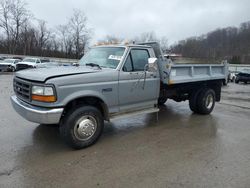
(152, 64)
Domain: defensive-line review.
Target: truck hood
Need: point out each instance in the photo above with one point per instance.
(43, 74)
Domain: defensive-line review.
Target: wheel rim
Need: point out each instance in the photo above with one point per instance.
(85, 127)
(209, 101)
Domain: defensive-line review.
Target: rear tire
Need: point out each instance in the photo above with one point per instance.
(206, 101)
(193, 101)
(81, 126)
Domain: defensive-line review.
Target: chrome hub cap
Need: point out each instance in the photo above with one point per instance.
(209, 101)
(85, 127)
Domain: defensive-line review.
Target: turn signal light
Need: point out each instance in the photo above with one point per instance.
(44, 98)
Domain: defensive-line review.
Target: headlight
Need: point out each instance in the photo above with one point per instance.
(43, 93)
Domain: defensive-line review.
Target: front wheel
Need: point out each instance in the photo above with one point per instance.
(82, 126)
(12, 69)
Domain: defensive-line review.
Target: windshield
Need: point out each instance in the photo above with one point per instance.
(108, 57)
(29, 60)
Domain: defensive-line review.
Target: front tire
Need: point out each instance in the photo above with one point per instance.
(12, 69)
(82, 126)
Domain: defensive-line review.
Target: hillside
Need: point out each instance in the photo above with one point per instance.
(231, 43)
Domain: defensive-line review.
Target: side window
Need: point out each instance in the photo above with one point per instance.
(140, 59)
(136, 60)
(128, 64)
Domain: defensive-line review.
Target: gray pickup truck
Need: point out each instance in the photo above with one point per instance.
(112, 81)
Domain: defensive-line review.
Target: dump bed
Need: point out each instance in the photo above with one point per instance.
(171, 73)
(182, 73)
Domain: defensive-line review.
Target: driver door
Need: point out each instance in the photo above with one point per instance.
(138, 89)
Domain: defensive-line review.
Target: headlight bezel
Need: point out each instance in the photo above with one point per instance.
(41, 96)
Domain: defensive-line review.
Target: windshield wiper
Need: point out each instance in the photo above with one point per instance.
(93, 65)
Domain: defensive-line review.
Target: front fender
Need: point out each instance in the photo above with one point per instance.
(84, 93)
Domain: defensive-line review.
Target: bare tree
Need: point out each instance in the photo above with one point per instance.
(27, 38)
(5, 20)
(164, 44)
(13, 15)
(65, 39)
(146, 37)
(110, 39)
(20, 15)
(42, 36)
(231, 43)
(79, 31)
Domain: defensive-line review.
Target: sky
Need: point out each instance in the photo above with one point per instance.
(176, 19)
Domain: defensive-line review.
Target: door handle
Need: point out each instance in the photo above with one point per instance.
(134, 73)
(152, 75)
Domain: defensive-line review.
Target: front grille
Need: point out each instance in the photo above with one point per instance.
(22, 66)
(22, 89)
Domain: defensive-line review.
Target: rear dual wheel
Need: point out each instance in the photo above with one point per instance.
(202, 101)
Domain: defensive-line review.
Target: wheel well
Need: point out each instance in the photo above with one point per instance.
(215, 86)
(88, 100)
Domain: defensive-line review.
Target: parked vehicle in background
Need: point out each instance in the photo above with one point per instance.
(243, 76)
(30, 63)
(232, 76)
(2, 58)
(52, 64)
(8, 65)
(110, 82)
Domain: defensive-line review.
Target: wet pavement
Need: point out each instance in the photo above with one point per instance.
(181, 150)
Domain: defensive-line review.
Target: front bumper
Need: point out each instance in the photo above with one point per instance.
(36, 114)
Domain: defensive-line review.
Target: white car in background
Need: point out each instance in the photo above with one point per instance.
(30, 63)
(232, 75)
(8, 65)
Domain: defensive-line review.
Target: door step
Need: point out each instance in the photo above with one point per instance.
(134, 113)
